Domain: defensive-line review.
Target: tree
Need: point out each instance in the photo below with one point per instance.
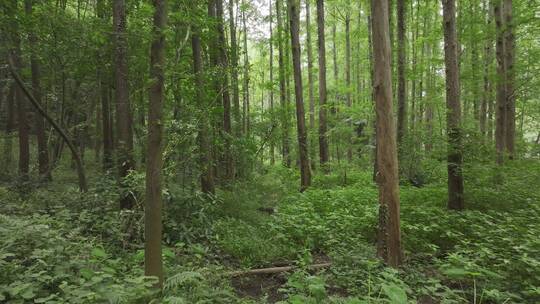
(272, 118)
(510, 107)
(389, 237)
(305, 173)
(234, 67)
(153, 264)
(323, 137)
(283, 96)
(42, 149)
(123, 108)
(401, 94)
(500, 121)
(453, 108)
(205, 156)
(311, 96)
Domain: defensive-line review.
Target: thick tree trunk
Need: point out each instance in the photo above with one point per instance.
(124, 128)
(305, 173)
(401, 94)
(153, 265)
(42, 149)
(453, 108)
(389, 243)
(323, 137)
(500, 124)
(510, 107)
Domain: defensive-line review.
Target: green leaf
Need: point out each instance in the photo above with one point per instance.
(396, 294)
(99, 253)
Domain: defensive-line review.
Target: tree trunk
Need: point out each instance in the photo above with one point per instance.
(389, 243)
(272, 114)
(224, 64)
(486, 97)
(510, 107)
(500, 124)
(43, 152)
(205, 156)
(153, 265)
(124, 129)
(234, 68)
(245, 87)
(323, 137)
(7, 153)
(283, 96)
(310, 82)
(348, 75)
(453, 108)
(305, 173)
(401, 94)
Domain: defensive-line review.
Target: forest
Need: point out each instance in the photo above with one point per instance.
(270, 151)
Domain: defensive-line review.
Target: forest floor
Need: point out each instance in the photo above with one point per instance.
(60, 246)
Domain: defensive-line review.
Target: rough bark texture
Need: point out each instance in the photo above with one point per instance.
(453, 108)
(305, 173)
(205, 156)
(500, 121)
(323, 137)
(153, 264)
(42, 150)
(510, 107)
(124, 129)
(389, 242)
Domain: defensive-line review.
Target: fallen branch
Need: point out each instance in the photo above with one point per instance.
(273, 270)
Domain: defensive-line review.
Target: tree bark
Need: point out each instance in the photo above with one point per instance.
(453, 108)
(486, 96)
(305, 173)
(245, 87)
(510, 106)
(272, 114)
(283, 96)
(234, 69)
(348, 75)
(389, 238)
(153, 265)
(311, 96)
(123, 108)
(323, 137)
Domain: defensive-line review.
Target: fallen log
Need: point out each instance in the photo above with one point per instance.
(274, 270)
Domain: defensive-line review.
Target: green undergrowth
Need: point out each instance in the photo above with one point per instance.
(59, 246)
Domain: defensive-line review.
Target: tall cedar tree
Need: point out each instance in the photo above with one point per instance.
(234, 68)
(510, 109)
(311, 97)
(153, 264)
(389, 236)
(401, 94)
(323, 137)
(272, 118)
(283, 96)
(453, 108)
(500, 121)
(305, 172)
(124, 129)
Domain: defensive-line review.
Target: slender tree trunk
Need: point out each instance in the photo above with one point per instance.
(500, 124)
(323, 137)
(510, 103)
(401, 94)
(486, 97)
(453, 108)
(245, 87)
(234, 69)
(224, 64)
(272, 114)
(7, 154)
(43, 152)
(305, 173)
(22, 108)
(283, 96)
(107, 132)
(153, 265)
(310, 82)
(205, 156)
(389, 243)
(348, 75)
